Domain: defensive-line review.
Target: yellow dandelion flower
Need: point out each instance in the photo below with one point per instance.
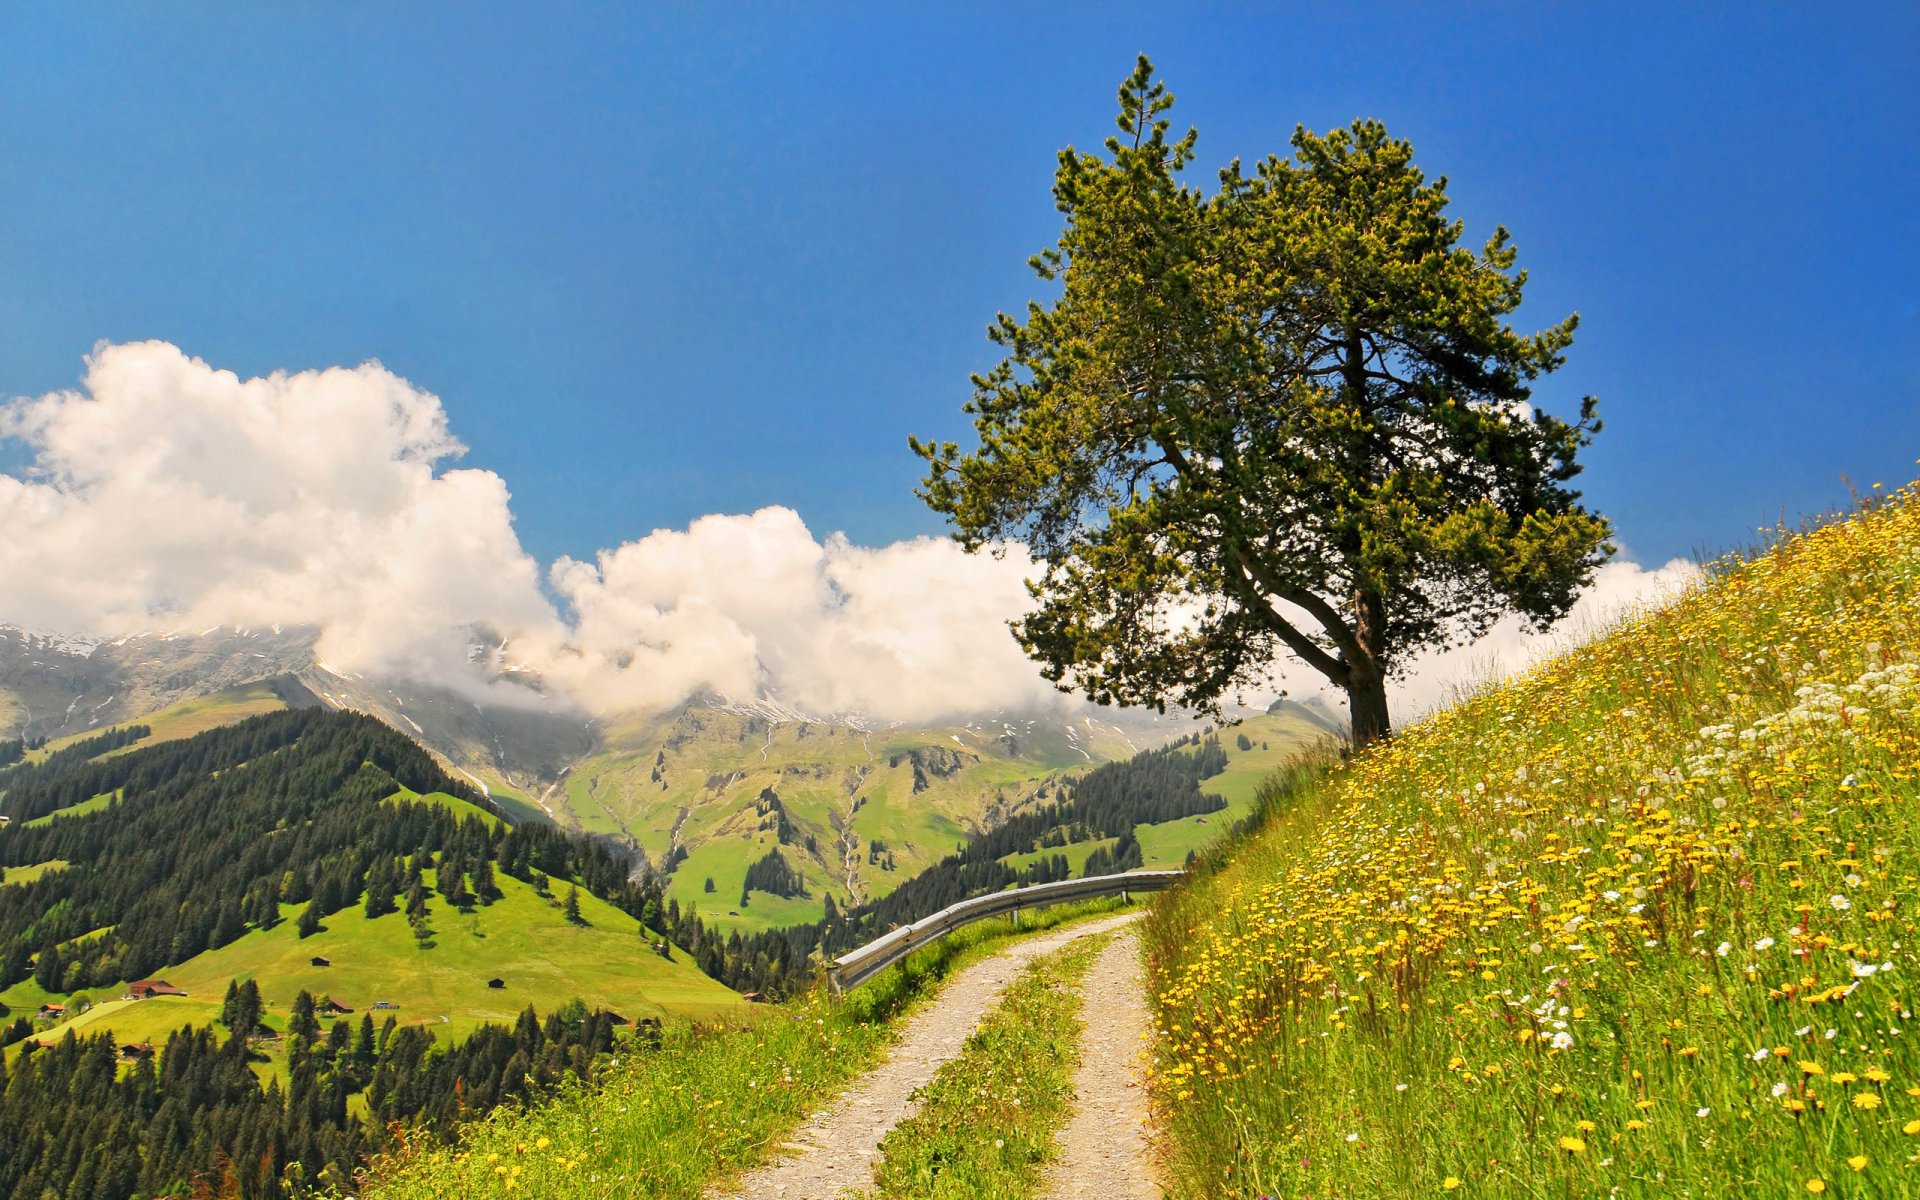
(1816, 1185)
(1449, 1183)
(1867, 1101)
(1858, 1162)
(1573, 1145)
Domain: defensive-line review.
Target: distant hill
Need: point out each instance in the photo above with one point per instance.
(855, 807)
(299, 810)
(702, 791)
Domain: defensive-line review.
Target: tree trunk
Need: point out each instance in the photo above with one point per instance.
(1367, 698)
(1366, 680)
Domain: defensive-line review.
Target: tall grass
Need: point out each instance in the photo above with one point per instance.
(1640, 922)
(706, 1103)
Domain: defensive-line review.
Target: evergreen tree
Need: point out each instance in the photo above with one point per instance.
(47, 970)
(1295, 407)
(484, 886)
(302, 1024)
(310, 919)
(573, 907)
(453, 885)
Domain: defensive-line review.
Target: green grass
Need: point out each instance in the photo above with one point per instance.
(92, 805)
(1277, 739)
(461, 809)
(1638, 923)
(987, 1120)
(21, 876)
(523, 938)
(713, 765)
(515, 802)
(711, 1102)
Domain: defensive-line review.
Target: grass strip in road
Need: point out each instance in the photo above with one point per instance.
(986, 1125)
(708, 1103)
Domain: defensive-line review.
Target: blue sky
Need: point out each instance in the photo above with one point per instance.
(686, 260)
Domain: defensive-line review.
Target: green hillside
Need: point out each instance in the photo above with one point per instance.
(522, 938)
(695, 783)
(291, 828)
(1635, 924)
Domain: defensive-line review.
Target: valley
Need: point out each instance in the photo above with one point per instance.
(699, 793)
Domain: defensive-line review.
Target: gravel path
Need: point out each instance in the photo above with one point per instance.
(833, 1152)
(1104, 1150)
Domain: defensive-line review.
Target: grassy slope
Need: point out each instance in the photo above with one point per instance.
(81, 809)
(21, 876)
(717, 763)
(1637, 923)
(460, 809)
(1277, 739)
(521, 938)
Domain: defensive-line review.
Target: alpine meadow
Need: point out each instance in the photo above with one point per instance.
(542, 653)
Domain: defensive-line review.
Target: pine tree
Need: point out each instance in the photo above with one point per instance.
(310, 919)
(47, 972)
(1294, 406)
(484, 886)
(573, 907)
(302, 1024)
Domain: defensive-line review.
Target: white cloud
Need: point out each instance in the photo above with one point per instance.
(165, 493)
(911, 631)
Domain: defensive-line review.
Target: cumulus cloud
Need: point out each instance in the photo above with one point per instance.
(164, 493)
(913, 631)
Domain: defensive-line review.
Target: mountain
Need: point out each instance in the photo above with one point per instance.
(855, 807)
(703, 790)
(56, 687)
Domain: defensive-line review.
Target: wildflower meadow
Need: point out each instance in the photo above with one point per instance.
(1638, 923)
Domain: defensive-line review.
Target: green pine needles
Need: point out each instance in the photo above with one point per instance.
(1286, 417)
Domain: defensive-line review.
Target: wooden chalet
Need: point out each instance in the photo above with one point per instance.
(330, 1005)
(496, 982)
(147, 989)
(134, 1051)
(53, 1010)
(318, 961)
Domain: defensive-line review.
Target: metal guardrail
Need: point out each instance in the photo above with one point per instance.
(851, 968)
